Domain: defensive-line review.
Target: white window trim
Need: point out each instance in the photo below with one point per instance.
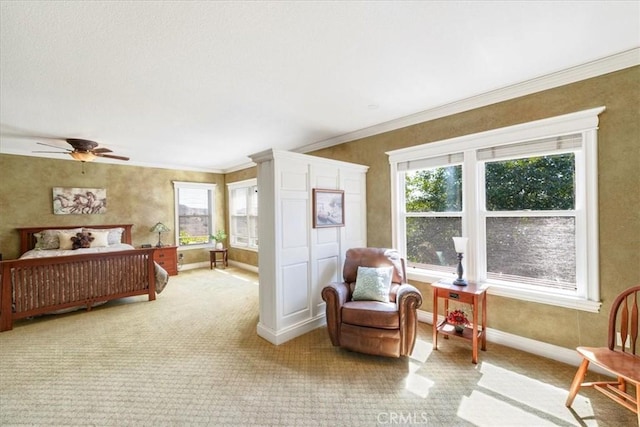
(585, 122)
(182, 184)
(233, 186)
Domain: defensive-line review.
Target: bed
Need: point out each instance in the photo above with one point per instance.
(48, 279)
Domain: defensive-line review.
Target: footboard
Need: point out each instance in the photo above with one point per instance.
(41, 285)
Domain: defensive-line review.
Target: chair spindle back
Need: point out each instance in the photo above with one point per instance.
(624, 322)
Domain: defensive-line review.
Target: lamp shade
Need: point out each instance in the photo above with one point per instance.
(461, 244)
(83, 156)
(159, 228)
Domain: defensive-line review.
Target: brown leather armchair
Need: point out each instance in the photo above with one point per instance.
(373, 327)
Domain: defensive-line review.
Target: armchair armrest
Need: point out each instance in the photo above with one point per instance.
(408, 300)
(408, 295)
(335, 295)
(338, 290)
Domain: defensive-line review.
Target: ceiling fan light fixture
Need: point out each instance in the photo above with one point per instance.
(83, 157)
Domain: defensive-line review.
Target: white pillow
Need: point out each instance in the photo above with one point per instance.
(114, 237)
(65, 239)
(100, 238)
(373, 284)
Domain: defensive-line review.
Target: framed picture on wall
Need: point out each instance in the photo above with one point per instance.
(328, 208)
(79, 201)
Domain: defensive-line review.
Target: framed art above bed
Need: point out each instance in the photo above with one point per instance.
(79, 201)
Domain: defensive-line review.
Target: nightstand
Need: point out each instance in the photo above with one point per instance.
(167, 258)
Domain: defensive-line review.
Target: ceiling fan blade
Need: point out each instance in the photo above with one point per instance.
(30, 136)
(102, 150)
(54, 146)
(111, 156)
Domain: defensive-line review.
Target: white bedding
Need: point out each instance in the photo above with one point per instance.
(44, 253)
(162, 277)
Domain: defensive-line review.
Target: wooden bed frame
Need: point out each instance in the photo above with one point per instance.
(29, 287)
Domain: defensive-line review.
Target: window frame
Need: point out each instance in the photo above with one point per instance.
(177, 185)
(249, 183)
(587, 297)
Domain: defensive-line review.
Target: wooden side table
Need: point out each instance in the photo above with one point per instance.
(167, 258)
(470, 294)
(213, 259)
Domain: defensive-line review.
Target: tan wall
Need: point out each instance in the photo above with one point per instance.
(136, 195)
(235, 254)
(144, 196)
(619, 194)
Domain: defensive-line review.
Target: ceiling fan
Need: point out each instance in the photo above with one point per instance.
(83, 150)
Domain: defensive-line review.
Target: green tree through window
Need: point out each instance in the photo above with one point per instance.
(535, 183)
(430, 194)
(434, 190)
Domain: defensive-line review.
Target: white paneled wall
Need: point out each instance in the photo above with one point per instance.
(295, 259)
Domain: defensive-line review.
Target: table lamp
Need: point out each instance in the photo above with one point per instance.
(159, 228)
(460, 244)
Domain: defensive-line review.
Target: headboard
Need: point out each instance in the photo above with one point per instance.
(28, 238)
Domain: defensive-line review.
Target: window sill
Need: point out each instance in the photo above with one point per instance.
(566, 301)
(427, 276)
(530, 295)
(191, 247)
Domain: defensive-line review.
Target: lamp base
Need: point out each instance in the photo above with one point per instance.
(460, 282)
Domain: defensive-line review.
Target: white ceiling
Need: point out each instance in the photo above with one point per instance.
(202, 85)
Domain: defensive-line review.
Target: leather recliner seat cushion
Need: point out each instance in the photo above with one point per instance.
(383, 342)
(371, 314)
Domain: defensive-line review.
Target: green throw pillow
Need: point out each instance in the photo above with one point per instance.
(373, 284)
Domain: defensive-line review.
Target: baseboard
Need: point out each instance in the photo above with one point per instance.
(206, 264)
(248, 267)
(539, 348)
(194, 266)
(284, 335)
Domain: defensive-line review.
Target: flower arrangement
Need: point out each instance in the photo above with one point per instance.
(219, 236)
(457, 318)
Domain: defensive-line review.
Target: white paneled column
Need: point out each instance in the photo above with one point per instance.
(295, 259)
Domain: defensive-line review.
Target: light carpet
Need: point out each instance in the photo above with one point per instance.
(192, 357)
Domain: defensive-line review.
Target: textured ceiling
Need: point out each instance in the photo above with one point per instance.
(202, 85)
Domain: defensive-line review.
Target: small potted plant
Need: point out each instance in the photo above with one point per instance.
(458, 319)
(219, 238)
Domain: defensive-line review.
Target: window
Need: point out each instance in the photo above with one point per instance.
(530, 220)
(243, 214)
(525, 196)
(194, 206)
(433, 215)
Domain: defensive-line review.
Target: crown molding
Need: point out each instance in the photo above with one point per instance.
(239, 167)
(609, 64)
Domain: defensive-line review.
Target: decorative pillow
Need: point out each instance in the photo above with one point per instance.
(48, 239)
(65, 239)
(81, 240)
(114, 237)
(373, 284)
(100, 238)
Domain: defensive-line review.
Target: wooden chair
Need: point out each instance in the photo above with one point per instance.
(621, 357)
